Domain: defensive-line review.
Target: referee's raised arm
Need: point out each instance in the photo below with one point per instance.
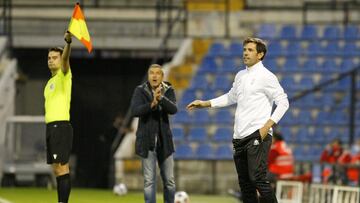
(65, 58)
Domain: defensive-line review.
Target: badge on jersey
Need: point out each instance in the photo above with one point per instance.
(52, 86)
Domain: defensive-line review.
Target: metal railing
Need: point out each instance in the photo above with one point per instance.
(5, 20)
(159, 15)
(345, 7)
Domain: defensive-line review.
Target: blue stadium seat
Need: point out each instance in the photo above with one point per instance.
(184, 151)
(306, 156)
(201, 117)
(345, 138)
(302, 136)
(314, 153)
(333, 134)
(182, 117)
(286, 132)
(300, 153)
(309, 32)
(204, 152)
(357, 130)
(331, 32)
(223, 135)
(267, 31)
(322, 118)
(288, 32)
(274, 49)
(210, 94)
(217, 49)
(340, 85)
(344, 83)
(311, 65)
(327, 99)
(197, 134)
(228, 65)
(222, 82)
(208, 65)
(318, 136)
(338, 118)
(290, 95)
(331, 49)
(308, 100)
(357, 122)
(199, 82)
(324, 100)
(288, 119)
(224, 152)
(347, 64)
(271, 64)
(188, 96)
(291, 65)
(288, 83)
(350, 49)
(223, 116)
(329, 65)
(325, 78)
(293, 49)
(304, 117)
(178, 134)
(351, 32)
(306, 82)
(345, 100)
(314, 48)
(236, 49)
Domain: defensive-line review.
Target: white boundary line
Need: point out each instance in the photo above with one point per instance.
(4, 200)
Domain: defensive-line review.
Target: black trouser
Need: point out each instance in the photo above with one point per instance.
(250, 157)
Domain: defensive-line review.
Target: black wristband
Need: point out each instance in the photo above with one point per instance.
(68, 42)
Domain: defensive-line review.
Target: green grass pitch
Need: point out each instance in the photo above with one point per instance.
(41, 195)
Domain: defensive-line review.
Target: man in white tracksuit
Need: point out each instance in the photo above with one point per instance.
(254, 90)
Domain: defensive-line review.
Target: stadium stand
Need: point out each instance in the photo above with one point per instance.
(301, 55)
(307, 63)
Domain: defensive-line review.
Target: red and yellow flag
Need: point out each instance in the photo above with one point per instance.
(78, 28)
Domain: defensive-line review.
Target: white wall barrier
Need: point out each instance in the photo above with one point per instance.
(289, 191)
(333, 194)
(293, 192)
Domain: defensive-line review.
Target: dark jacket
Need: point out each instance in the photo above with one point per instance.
(153, 122)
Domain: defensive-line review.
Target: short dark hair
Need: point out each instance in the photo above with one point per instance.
(260, 45)
(57, 49)
(278, 136)
(337, 140)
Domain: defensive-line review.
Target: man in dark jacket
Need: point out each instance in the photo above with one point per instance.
(152, 102)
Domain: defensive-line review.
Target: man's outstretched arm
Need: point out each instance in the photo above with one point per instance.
(66, 53)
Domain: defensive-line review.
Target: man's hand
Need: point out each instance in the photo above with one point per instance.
(264, 132)
(198, 104)
(67, 37)
(154, 102)
(265, 129)
(157, 97)
(66, 53)
(157, 93)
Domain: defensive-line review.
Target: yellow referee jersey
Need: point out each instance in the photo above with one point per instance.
(57, 95)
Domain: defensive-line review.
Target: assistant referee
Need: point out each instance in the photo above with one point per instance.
(59, 132)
